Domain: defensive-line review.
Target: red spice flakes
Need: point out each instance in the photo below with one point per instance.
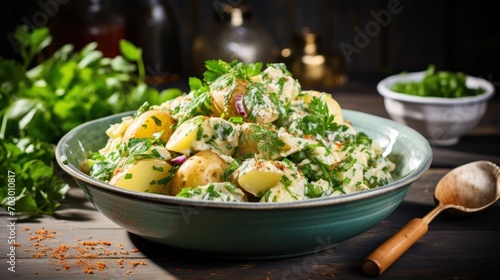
(120, 262)
(89, 269)
(81, 263)
(26, 228)
(65, 265)
(38, 255)
(17, 244)
(61, 248)
(279, 165)
(87, 256)
(108, 253)
(259, 164)
(308, 137)
(83, 254)
(36, 237)
(90, 243)
(136, 263)
(80, 250)
(101, 266)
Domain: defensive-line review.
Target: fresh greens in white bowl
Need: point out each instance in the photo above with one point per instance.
(442, 117)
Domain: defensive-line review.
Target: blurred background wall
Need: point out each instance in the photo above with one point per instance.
(372, 39)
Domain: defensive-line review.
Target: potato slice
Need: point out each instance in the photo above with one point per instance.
(333, 105)
(202, 168)
(224, 100)
(205, 133)
(149, 123)
(183, 136)
(282, 193)
(144, 176)
(257, 176)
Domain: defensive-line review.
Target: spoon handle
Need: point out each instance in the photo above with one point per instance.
(387, 253)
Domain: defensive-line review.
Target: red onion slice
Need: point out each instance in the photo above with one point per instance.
(240, 105)
(178, 160)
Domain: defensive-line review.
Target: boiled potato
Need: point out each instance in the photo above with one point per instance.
(333, 105)
(149, 123)
(205, 133)
(184, 135)
(355, 174)
(218, 97)
(246, 145)
(282, 193)
(224, 104)
(144, 176)
(292, 144)
(118, 129)
(202, 168)
(257, 176)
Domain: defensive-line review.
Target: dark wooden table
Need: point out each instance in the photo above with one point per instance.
(80, 243)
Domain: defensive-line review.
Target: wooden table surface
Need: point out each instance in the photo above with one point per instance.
(80, 243)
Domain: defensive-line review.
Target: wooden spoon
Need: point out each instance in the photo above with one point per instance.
(468, 188)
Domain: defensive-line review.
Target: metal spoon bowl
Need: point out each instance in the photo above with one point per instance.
(466, 189)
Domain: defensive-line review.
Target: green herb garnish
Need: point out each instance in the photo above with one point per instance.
(445, 84)
(268, 141)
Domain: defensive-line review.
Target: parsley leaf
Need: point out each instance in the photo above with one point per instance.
(235, 69)
(268, 141)
(199, 106)
(319, 121)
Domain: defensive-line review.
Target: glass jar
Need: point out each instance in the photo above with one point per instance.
(236, 37)
(86, 21)
(151, 25)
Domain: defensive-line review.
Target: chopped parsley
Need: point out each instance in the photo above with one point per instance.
(319, 121)
(445, 84)
(157, 168)
(156, 120)
(268, 141)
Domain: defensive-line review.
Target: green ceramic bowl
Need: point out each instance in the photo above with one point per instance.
(251, 230)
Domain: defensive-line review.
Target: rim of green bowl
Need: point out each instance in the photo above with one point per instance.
(384, 89)
(408, 179)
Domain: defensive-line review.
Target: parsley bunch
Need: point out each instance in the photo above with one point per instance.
(39, 105)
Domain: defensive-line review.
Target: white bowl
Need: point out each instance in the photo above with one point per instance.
(441, 120)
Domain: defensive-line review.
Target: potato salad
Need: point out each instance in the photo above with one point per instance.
(242, 134)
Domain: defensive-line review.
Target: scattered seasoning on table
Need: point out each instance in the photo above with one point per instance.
(86, 255)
